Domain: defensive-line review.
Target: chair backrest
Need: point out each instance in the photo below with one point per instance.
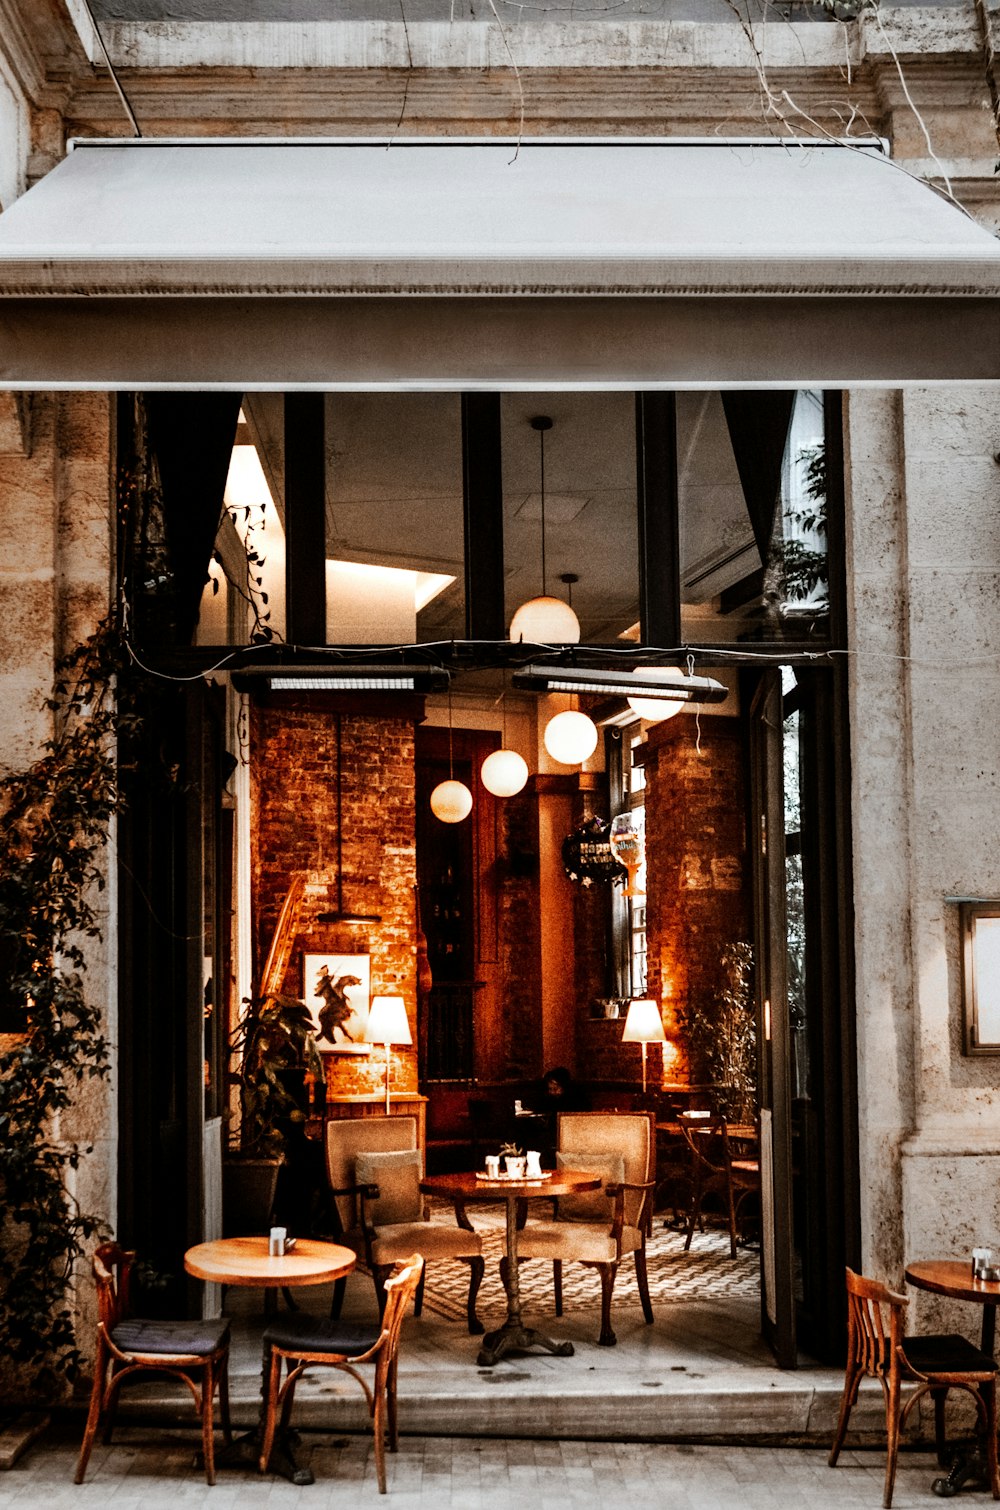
(869, 1343)
(112, 1266)
(632, 1134)
(349, 1136)
(400, 1289)
(707, 1136)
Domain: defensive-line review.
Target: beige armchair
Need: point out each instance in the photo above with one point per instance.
(374, 1168)
(599, 1228)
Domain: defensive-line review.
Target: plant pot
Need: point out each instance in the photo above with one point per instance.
(249, 1187)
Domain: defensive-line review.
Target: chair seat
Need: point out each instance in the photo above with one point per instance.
(429, 1239)
(946, 1353)
(196, 1339)
(584, 1241)
(321, 1334)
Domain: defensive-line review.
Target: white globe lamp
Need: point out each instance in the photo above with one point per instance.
(545, 621)
(570, 738)
(451, 801)
(657, 709)
(504, 773)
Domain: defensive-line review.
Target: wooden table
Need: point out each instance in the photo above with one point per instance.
(245, 1261)
(953, 1277)
(513, 1336)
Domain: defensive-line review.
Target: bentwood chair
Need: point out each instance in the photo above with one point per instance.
(128, 1347)
(599, 1228)
(935, 1364)
(299, 1342)
(716, 1170)
(374, 1167)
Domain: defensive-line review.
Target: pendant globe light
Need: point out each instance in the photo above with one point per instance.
(658, 709)
(451, 800)
(570, 738)
(544, 620)
(505, 772)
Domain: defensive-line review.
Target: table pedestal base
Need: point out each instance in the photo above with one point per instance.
(244, 1452)
(512, 1337)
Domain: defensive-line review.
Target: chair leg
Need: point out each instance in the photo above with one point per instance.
(477, 1268)
(418, 1298)
(337, 1303)
(390, 1400)
(378, 1427)
(94, 1414)
(731, 1208)
(608, 1273)
(380, 1273)
(694, 1213)
(557, 1284)
(642, 1279)
(892, 1443)
(989, 1396)
(851, 1381)
(270, 1409)
(207, 1424)
(111, 1406)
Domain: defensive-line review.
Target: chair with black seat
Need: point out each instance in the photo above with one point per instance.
(299, 1342)
(374, 1167)
(717, 1170)
(935, 1363)
(128, 1346)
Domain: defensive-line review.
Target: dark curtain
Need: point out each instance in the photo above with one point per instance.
(758, 430)
(191, 436)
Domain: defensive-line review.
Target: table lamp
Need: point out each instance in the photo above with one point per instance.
(643, 1025)
(387, 1023)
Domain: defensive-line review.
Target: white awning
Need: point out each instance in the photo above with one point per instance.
(465, 264)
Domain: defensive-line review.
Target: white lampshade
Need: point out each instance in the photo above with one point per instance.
(570, 738)
(387, 1021)
(504, 773)
(451, 801)
(657, 709)
(643, 1023)
(545, 621)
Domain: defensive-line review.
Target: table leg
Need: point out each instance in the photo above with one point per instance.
(971, 1467)
(514, 1336)
(244, 1452)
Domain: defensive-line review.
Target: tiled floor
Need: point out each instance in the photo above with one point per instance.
(146, 1470)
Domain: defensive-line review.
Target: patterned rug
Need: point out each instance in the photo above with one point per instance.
(705, 1273)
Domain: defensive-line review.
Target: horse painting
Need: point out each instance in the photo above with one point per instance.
(336, 1010)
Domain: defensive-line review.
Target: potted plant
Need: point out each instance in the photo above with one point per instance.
(719, 1033)
(271, 1050)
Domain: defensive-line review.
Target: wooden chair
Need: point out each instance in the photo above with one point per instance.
(374, 1168)
(935, 1364)
(300, 1342)
(600, 1228)
(195, 1351)
(715, 1170)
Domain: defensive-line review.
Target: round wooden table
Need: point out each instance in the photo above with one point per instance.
(513, 1336)
(245, 1261)
(953, 1277)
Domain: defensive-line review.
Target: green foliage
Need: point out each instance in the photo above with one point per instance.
(273, 1037)
(54, 820)
(719, 1032)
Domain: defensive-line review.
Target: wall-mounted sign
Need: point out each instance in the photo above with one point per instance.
(587, 856)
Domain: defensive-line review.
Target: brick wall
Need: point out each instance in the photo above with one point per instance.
(294, 828)
(698, 892)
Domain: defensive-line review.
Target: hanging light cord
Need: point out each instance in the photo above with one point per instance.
(451, 749)
(541, 452)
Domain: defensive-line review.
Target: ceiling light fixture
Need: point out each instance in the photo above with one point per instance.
(544, 620)
(659, 709)
(640, 683)
(570, 738)
(505, 772)
(349, 677)
(451, 800)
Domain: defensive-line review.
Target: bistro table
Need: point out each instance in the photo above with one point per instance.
(245, 1261)
(953, 1277)
(513, 1335)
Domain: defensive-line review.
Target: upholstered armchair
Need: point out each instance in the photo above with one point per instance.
(374, 1168)
(599, 1228)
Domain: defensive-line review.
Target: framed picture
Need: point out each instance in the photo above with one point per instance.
(336, 988)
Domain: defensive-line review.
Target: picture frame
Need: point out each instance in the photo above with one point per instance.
(337, 990)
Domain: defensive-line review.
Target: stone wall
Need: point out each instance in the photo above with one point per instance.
(294, 832)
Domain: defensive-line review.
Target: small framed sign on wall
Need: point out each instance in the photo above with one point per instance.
(980, 921)
(337, 990)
